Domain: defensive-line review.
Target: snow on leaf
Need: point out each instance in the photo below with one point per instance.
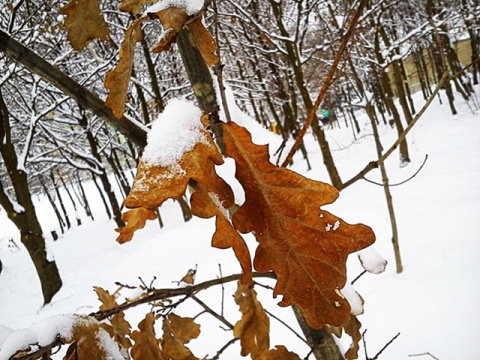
(84, 22)
(85, 341)
(155, 183)
(135, 219)
(118, 78)
(119, 329)
(177, 332)
(146, 345)
(282, 209)
(254, 327)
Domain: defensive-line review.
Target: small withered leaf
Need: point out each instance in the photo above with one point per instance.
(178, 331)
(133, 6)
(84, 22)
(253, 329)
(146, 345)
(172, 20)
(135, 219)
(118, 78)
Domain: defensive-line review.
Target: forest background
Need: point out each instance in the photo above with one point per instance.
(275, 57)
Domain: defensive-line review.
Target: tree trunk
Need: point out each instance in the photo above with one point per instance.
(23, 213)
(388, 196)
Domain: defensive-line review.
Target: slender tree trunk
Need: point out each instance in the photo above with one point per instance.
(388, 196)
(23, 215)
(72, 200)
(54, 206)
(85, 203)
(117, 214)
(60, 199)
(102, 196)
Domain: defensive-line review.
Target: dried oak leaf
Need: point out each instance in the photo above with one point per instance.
(119, 329)
(305, 246)
(84, 22)
(85, 341)
(352, 328)
(177, 332)
(189, 277)
(173, 19)
(133, 6)
(204, 41)
(253, 329)
(146, 345)
(280, 353)
(135, 219)
(154, 184)
(206, 204)
(118, 78)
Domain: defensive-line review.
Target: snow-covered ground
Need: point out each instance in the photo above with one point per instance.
(433, 304)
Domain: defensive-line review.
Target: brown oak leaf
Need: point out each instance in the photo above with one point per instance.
(119, 329)
(154, 184)
(146, 345)
(133, 6)
(177, 332)
(204, 41)
(118, 78)
(172, 20)
(85, 341)
(254, 327)
(352, 328)
(84, 22)
(135, 219)
(207, 204)
(280, 353)
(304, 245)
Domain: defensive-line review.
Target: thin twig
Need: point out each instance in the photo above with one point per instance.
(386, 345)
(219, 352)
(326, 84)
(212, 312)
(223, 290)
(402, 182)
(365, 344)
(424, 354)
(168, 293)
(287, 326)
(358, 277)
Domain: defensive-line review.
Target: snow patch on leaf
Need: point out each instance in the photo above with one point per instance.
(176, 131)
(191, 6)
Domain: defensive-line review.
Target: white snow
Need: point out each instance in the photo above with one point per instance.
(353, 298)
(176, 131)
(191, 6)
(372, 261)
(433, 299)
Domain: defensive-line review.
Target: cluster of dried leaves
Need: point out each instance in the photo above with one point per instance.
(304, 245)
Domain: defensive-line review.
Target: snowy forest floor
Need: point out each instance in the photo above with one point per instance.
(433, 304)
